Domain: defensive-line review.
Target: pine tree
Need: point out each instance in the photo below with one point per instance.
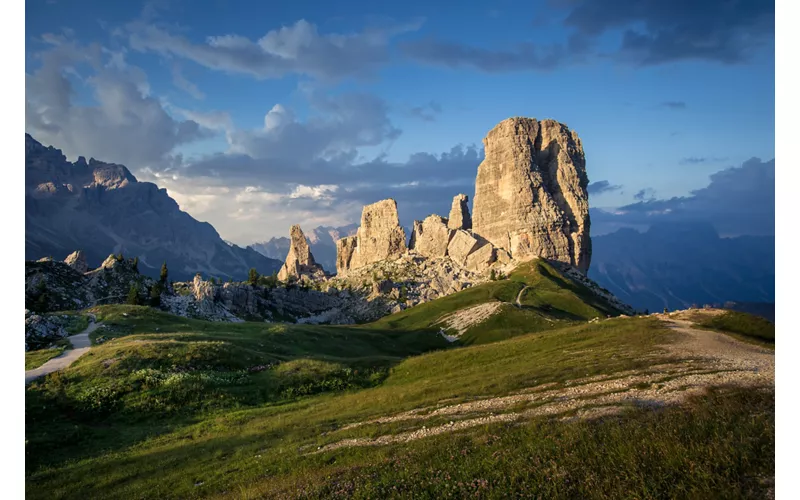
(253, 276)
(492, 275)
(164, 272)
(133, 295)
(136, 264)
(155, 294)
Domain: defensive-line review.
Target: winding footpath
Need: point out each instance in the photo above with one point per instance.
(80, 345)
(519, 296)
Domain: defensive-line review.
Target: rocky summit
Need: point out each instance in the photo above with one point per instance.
(530, 193)
(380, 237)
(459, 213)
(299, 262)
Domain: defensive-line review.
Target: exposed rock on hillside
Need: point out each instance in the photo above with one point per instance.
(530, 193)
(461, 245)
(322, 242)
(459, 213)
(241, 301)
(41, 330)
(430, 237)
(77, 261)
(409, 280)
(380, 237)
(345, 249)
(55, 286)
(101, 208)
(299, 261)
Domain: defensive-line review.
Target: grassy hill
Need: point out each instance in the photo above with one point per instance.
(165, 407)
(547, 300)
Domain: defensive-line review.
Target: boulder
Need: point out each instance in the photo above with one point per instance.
(382, 287)
(530, 192)
(431, 236)
(461, 245)
(41, 330)
(299, 261)
(77, 261)
(481, 258)
(459, 213)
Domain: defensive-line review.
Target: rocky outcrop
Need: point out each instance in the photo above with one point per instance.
(299, 261)
(481, 259)
(345, 249)
(322, 242)
(77, 261)
(530, 192)
(430, 236)
(410, 280)
(459, 213)
(56, 286)
(461, 245)
(380, 237)
(41, 330)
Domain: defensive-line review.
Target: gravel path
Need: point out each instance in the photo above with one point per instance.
(697, 360)
(80, 345)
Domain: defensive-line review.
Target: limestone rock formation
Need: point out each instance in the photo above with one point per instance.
(431, 236)
(530, 193)
(461, 245)
(299, 261)
(77, 261)
(380, 237)
(459, 213)
(345, 248)
(480, 259)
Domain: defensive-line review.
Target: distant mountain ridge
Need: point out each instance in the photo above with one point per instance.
(101, 208)
(676, 265)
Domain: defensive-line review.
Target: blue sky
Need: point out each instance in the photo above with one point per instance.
(365, 97)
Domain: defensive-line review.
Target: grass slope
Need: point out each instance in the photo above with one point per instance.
(198, 424)
(35, 359)
(166, 407)
(548, 301)
(742, 324)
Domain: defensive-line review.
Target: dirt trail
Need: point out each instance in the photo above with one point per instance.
(519, 296)
(697, 360)
(721, 350)
(80, 345)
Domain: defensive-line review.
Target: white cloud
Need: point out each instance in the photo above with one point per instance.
(125, 124)
(295, 49)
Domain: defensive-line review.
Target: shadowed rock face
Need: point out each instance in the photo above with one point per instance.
(101, 208)
(530, 193)
(459, 213)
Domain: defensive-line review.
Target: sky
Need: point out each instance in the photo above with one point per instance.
(258, 115)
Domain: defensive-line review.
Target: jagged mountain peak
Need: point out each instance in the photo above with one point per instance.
(102, 208)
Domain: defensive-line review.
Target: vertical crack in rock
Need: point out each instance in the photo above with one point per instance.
(530, 193)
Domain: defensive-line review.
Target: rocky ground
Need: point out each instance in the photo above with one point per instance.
(359, 295)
